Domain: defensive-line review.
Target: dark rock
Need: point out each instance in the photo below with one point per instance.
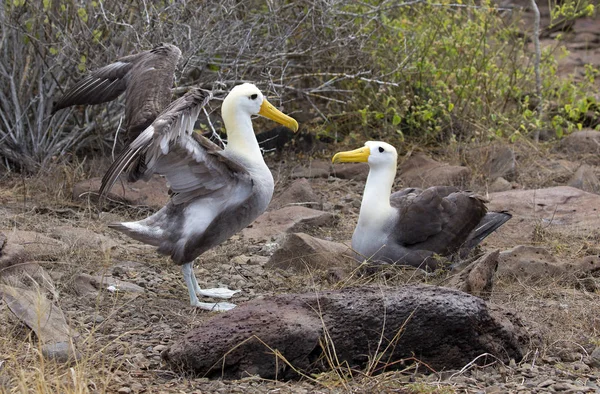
(529, 262)
(581, 142)
(561, 208)
(315, 169)
(478, 277)
(324, 169)
(422, 171)
(45, 319)
(153, 194)
(585, 179)
(301, 252)
(299, 192)
(285, 220)
(595, 358)
(61, 352)
(500, 185)
(85, 284)
(77, 237)
(444, 328)
(501, 162)
(37, 246)
(356, 171)
(492, 161)
(10, 254)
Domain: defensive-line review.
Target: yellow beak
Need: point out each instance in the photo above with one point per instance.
(268, 111)
(359, 155)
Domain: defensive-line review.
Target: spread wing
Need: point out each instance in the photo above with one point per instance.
(102, 85)
(438, 219)
(148, 75)
(193, 166)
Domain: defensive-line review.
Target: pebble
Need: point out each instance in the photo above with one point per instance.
(580, 367)
(595, 358)
(546, 383)
(124, 390)
(495, 390)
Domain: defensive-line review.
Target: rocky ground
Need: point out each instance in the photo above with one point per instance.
(123, 304)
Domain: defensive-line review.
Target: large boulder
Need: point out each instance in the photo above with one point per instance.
(422, 171)
(46, 319)
(153, 194)
(285, 220)
(300, 192)
(273, 337)
(585, 179)
(494, 161)
(324, 169)
(561, 208)
(581, 142)
(301, 253)
(10, 253)
(36, 246)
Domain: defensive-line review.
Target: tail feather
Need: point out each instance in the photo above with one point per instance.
(136, 230)
(490, 223)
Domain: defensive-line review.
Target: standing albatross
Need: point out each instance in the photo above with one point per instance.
(146, 78)
(413, 225)
(216, 192)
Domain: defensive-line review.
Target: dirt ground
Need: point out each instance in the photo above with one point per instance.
(123, 333)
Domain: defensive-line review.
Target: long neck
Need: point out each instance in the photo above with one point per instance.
(375, 205)
(240, 134)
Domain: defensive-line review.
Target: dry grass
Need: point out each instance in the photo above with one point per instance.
(111, 348)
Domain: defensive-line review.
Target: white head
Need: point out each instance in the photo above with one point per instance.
(247, 100)
(378, 154)
(375, 209)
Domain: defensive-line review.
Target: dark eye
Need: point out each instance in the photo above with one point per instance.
(254, 96)
(381, 149)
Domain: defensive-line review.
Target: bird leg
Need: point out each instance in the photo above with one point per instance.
(193, 289)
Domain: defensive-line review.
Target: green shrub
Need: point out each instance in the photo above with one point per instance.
(440, 72)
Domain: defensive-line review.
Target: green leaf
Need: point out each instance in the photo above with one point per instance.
(396, 120)
(96, 35)
(82, 14)
(82, 61)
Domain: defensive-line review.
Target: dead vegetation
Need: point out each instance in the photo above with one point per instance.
(121, 349)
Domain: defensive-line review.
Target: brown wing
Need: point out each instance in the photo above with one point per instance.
(437, 219)
(149, 88)
(146, 77)
(192, 164)
(102, 85)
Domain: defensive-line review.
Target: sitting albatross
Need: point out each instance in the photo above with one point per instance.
(145, 77)
(413, 225)
(215, 192)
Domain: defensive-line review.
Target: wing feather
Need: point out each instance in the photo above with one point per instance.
(193, 165)
(438, 219)
(105, 84)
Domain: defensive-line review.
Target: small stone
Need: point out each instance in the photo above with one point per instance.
(61, 352)
(501, 162)
(495, 390)
(124, 390)
(585, 179)
(300, 252)
(580, 367)
(422, 171)
(595, 358)
(240, 260)
(546, 383)
(500, 185)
